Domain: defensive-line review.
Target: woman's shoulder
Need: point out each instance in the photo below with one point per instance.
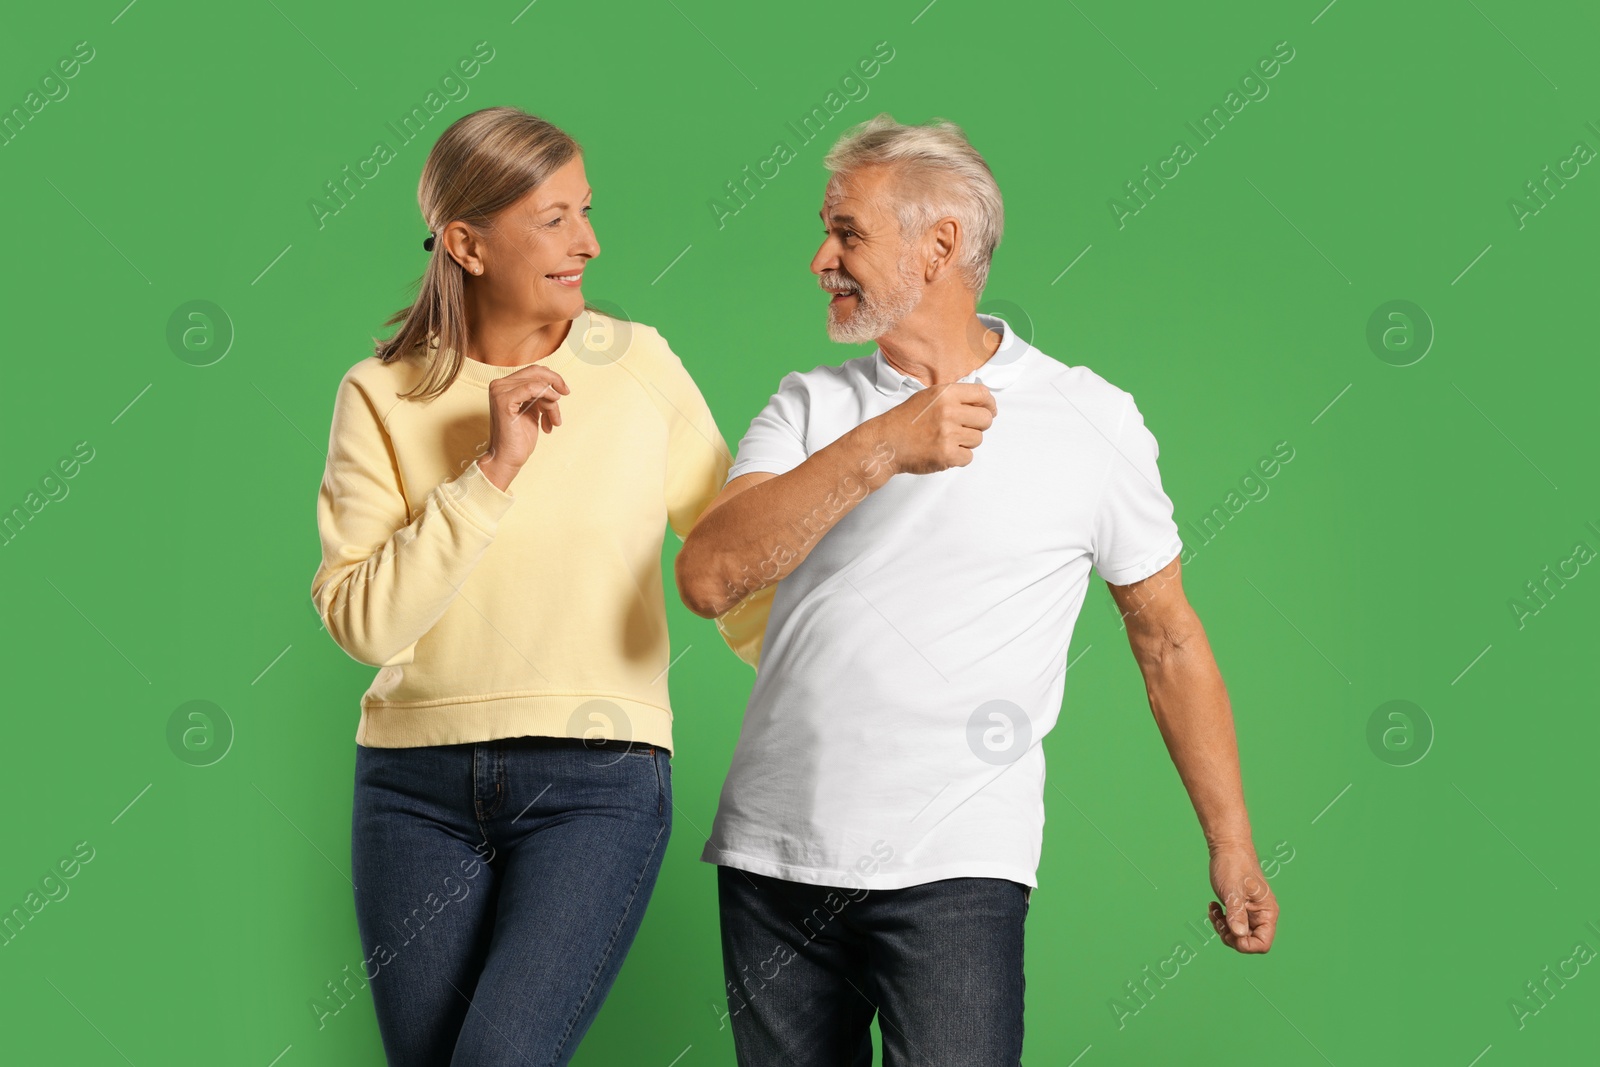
(376, 376)
(641, 349)
(604, 337)
(370, 393)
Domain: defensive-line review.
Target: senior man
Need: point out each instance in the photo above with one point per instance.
(929, 515)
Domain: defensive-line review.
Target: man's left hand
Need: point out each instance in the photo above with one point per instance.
(1250, 915)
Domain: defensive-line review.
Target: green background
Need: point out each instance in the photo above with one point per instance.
(1419, 899)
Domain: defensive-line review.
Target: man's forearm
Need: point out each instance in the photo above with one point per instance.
(759, 536)
(1191, 708)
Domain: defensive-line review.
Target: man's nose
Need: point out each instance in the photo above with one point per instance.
(825, 259)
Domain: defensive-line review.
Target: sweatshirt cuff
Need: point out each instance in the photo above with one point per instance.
(479, 499)
(744, 626)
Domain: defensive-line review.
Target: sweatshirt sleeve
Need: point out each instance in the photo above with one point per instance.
(697, 468)
(386, 577)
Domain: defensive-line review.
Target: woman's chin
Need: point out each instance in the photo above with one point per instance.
(565, 304)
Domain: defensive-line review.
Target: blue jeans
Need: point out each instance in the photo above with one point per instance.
(808, 966)
(498, 887)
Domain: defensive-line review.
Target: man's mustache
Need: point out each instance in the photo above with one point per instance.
(838, 282)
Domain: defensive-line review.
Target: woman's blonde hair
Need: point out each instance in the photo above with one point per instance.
(482, 164)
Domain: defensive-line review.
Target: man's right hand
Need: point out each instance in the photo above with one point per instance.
(938, 427)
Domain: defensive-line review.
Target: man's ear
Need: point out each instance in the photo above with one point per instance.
(945, 241)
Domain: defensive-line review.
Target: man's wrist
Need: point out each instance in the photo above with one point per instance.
(876, 457)
(1232, 837)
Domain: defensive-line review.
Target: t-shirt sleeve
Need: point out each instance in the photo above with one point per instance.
(1134, 535)
(775, 442)
(386, 577)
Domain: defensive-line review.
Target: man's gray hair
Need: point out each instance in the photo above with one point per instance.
(940, 174)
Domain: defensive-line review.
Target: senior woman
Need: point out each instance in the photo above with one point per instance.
(499, 477)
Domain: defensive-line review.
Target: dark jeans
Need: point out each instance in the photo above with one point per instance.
(808, 966)
(498, 888)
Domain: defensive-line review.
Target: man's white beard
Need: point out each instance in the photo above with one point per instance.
(873, 318)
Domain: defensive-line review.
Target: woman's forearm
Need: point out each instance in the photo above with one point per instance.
(380, 603)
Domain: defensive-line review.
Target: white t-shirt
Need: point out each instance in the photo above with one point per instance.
(916, 658)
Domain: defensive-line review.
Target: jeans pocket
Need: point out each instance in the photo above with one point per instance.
(663, 762)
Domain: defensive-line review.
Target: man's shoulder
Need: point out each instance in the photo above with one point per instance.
(843, 373)
(1078, 383)
(828, 378)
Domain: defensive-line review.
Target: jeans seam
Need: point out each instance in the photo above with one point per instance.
(661, 795)
(605, 956)
(477, 803)
(499, 782)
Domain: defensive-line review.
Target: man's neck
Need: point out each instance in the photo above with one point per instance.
(939, 349)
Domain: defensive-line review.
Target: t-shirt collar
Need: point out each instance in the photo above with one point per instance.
(1001, 370)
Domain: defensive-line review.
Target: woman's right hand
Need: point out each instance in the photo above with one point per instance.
(521, 405)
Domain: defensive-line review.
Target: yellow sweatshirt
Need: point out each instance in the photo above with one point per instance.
(537, 611)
